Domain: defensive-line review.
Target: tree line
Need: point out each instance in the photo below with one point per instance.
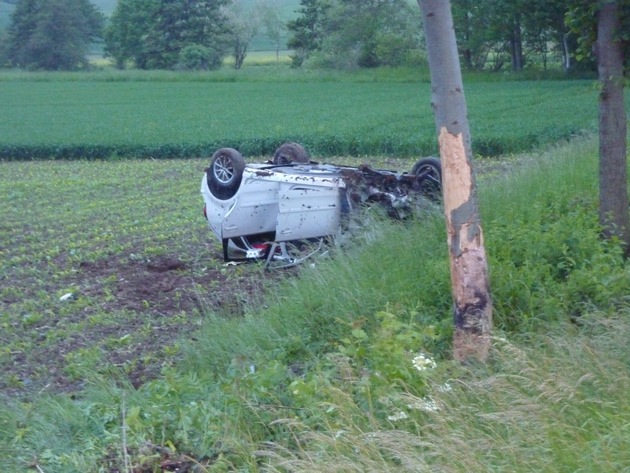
(145, 34)
(494, 35)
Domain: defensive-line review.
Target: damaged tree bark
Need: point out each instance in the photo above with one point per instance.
(468, 263)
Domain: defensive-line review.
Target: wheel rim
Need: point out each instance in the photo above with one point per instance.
(430, 172)
(223, 169)
(429, 180)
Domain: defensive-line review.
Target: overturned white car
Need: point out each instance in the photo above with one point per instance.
(282, 211)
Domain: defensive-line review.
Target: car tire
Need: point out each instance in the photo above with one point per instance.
(290, 153)
(225, 173)
(428, 172)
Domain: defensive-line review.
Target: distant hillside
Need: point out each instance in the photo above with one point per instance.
(108, 6)
(288, 7)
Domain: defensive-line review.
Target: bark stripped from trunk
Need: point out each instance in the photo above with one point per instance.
(468, 264)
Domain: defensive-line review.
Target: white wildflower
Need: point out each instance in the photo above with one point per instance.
(398, 416)
(426, 404)
(422, 362)
(444, 388)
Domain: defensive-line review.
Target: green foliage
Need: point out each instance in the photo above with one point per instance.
(53, 34)
(245, 22)
(161, 34)
(126, 30)
(581, 19)
(545, 403)
(307, 29)
(195, 57)
(548, 259)
(4, 50)
(353, 33)
(513, 35)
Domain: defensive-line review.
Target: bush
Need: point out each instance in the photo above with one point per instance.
(196, 57)
(393, 50)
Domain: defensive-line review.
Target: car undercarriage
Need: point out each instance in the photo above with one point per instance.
(283, 211)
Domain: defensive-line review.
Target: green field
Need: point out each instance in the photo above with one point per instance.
(126, 343)
(67, 227)
(163, 115)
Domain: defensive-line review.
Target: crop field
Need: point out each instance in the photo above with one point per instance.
(173, 116)
(106, 265)
(112, 294)
(128, 241)
(127, 245)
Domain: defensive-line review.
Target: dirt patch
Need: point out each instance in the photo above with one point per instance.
(156, 285)
(131, 311)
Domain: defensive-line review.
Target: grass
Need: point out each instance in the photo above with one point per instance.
(555, 402)
(174, 115)
(263, 58)
(317, 377)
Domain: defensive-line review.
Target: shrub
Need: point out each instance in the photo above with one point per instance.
(196, 57)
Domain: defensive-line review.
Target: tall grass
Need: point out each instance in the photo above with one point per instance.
(554, 396)
(547, 260)
(555, 402)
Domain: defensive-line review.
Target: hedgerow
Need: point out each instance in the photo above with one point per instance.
(320, 145)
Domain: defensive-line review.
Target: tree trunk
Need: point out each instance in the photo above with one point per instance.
(613, 181)
(516, 45)
(566, 54)
(468, 264)
(240, 52)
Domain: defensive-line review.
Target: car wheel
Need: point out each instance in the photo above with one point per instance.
(290, 153)
(225, 173)
(428, 172)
